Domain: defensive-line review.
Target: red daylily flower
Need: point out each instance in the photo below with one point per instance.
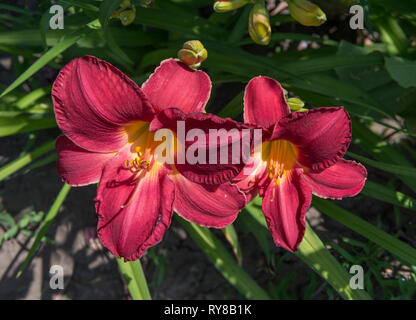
(106, 120)
(301, 154)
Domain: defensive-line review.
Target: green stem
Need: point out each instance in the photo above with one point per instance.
(135, 279)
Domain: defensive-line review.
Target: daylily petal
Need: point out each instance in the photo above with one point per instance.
(321, 136)
(201, 125)
(77, 166)
(148, 205)
(284, 208)
(173, 84)
(343, 179)
(207, 205)
(94, 103)
(264, 102)
(253, 178)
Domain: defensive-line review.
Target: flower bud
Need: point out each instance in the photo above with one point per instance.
(127, 16)
(226, 6)
(193, 53)
(259, 24)
(125, 4)
(295, 104)
(306, 12)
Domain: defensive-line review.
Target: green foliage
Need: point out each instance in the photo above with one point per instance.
(375, 83)
(313, 252)
(46, 223)
(224, 262)
(24, 225)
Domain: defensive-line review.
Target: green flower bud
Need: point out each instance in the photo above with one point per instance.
(306, 12)
(193, 53)
(295, 104)
(259, 24)
(226, 6)
(127, 16)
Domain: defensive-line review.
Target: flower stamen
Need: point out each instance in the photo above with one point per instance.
(281, 158)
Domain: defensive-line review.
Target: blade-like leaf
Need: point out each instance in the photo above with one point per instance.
(398, 248)
(224, 262)
(19, 163)
(399, 170)
(10, 126)
(107, 7)
(232, 238)
(313, 252)
(382, 193)
(64, 44)
(53, 211)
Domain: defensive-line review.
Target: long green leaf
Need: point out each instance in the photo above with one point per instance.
(53, 211)
(186, 24)
(254, 222)
(313, 252)
(240, 28)
(19, 163)
(107, 7)
(224, 262)
(10, 126)
(231, 235)
(381, 150)
(64, 44)
(32, 97)
(234, 107)
(392, 168)
(78, 3)
(382, 193)
(18, 10)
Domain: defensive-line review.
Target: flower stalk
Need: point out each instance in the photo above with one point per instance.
(226, 6)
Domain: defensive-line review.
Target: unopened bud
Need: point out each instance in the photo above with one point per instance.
(226, 6)
(193, 53)
(259, 24)
(295, 104)
(306, 12)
